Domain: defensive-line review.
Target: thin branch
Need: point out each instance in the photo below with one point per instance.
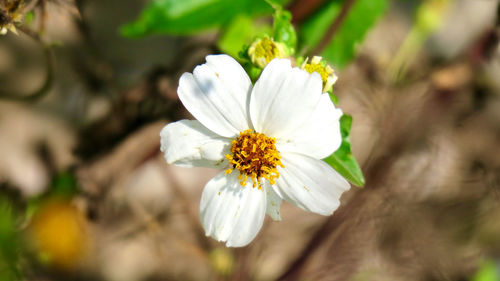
(186, 206)
(376, 174)
(332, 223)
(30, 6)
(301, 10)
(332, 30)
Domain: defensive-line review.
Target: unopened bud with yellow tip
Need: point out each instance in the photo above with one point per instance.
(318, 65)
(431, 14)
(263, 50)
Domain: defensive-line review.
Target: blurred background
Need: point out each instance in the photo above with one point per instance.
(86, 86)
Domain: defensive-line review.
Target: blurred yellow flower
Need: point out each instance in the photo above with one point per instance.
(59, 233)
(222, 260)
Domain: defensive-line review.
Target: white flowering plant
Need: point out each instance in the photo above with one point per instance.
(267, 118)
(269, 138)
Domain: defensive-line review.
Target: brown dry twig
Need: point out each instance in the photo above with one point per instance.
(334, 27)
(96, 176)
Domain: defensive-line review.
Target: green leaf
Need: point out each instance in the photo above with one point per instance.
(342, 160)
(342, 49)
(253, 71)
(240, 32)
(283, 29)
(312, 31)
(488, 271)
(184, 17)
(64, 184)
(9, 243)
(333, 98)
(28, 18)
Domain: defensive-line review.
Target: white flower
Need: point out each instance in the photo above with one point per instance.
(269, 138)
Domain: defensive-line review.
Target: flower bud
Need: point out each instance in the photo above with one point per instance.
(318, 65)
(263, 50)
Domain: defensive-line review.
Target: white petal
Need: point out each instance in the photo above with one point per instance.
(188, 143)
(217, 95)
(283, 98)
(319, 136)
(231, 212)
(310, 184)
(273, 202)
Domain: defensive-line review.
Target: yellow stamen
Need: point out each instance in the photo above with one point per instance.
(319, 69)
(323, 69)
(255, 156)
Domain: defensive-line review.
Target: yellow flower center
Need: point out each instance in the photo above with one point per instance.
(254, 155)
(322, 70)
